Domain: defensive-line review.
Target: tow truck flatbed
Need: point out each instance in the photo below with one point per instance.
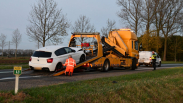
(118, 50)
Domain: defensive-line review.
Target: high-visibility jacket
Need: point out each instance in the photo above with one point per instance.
(153, 56)
(70, 63)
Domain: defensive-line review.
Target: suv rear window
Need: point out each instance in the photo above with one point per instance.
(41, 54)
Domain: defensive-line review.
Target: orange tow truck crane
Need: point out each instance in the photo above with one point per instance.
(120, 49)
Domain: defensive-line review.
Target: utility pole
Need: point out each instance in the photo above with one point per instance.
(9, 49)
(9, 45)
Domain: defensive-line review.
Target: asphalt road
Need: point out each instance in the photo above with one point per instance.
(31, 79)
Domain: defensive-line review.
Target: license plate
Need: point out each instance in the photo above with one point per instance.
(141, 60)
(37, 68)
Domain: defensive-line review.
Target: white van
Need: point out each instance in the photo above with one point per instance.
(145, 58)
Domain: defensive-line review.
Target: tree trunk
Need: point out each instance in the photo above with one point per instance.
(175, 55)
(43, 42)
(82, 39)
(165, 48)
(136, 24)
(157, 47)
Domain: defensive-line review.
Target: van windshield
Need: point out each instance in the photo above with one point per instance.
(41, 54)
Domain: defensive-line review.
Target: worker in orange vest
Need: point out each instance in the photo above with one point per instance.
(70, 63)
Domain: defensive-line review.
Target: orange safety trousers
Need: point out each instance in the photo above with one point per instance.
(70, 63)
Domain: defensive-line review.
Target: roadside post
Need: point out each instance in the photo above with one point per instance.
(17, 71)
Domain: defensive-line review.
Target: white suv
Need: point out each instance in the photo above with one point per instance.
(52, 57)
(145, 58)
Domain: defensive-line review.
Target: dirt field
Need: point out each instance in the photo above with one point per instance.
(12, 60)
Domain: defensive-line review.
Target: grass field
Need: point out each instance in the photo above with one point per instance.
(11, 66)
(171, 62)
(160, 86)
(9, 63)
(13, 58)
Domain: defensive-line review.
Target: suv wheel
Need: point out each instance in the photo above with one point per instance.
(58, 67)
(82, 59)
(159, 64)
(133, 64)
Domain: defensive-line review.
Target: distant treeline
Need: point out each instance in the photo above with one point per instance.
(20, 52)
(174, 46)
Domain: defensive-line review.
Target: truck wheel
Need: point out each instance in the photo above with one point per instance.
(136, 62)
(159, 64)
(133, 64)
(106, 66)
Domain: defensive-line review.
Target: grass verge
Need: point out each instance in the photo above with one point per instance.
(171, 62)
(157, 86)
(5, 64)
(13, 58)
(11, 66)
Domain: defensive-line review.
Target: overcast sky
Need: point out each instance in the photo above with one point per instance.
(14, 14)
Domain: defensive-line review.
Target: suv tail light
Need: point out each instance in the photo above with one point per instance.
(149, 58)
(50, 60)
(30, 59)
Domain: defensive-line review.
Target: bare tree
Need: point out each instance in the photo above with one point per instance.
(131, 13)
(167, 19)
(171, 21)
(83, 25)
(149, 10)
(159, 18)
(156, 17)
(109, 27)
(16, 39)
(2, 42)
(47, 23)
(161, 7)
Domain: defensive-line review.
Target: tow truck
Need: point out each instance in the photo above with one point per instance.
(119, 49)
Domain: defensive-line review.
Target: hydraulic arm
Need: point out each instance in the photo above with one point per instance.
(115, 40)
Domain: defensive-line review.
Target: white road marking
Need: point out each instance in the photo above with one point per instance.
(19, 77)
(7, 72)
(173, 64)
(11, 72)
